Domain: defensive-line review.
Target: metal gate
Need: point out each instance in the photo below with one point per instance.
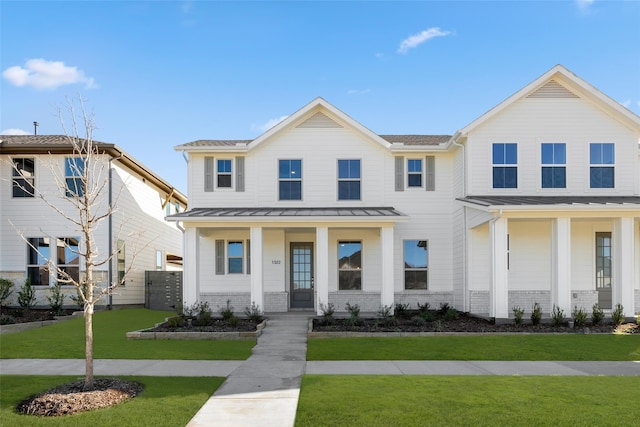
(163, 290)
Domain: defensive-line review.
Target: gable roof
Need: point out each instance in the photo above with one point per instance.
(61, 144)
(560, 82)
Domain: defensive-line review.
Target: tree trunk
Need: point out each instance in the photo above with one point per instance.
(88, 333)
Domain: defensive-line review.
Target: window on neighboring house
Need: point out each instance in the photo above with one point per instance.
(290, 179)
(159, 260)
(554, 169)
(414, 172)
(235, 255)
(349, 266)
(68, 258)
(224, 173)
(74, 172)
(505, 176)
(602, 170)
(348, 179)
(121, 259)
(38, 256)
(23, 177)
(416, 264)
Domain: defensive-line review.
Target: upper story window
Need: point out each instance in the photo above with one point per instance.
(414, 173)
(224, 173)
(554, 165)
(290, 179)
(23, 177)
(416, 264)
(505, 176)
(602, 170)
(73, 173)
(348, 179)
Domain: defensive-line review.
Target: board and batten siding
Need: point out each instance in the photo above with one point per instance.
(530, 122)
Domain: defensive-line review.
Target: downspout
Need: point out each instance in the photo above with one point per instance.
(465, 284)
(110, 270)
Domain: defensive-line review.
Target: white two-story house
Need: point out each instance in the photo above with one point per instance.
(538, 200)
(137, 230)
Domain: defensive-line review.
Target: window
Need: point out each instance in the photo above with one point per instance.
(414, 172)
(23, 177)
(505, 176)
(68, 258)
(159, 259)
(348, 179)
(554, 170)
(290, 179)
(235, 257)
(74, 172)
(38, 256)
(121, 258)
(349, 266)
(602, 176)
(224, 173)
(603, 260)
(416, 264)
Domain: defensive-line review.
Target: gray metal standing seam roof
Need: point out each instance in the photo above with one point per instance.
(550, 200)
(290, 212)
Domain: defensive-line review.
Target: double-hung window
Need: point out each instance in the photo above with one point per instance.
(235, 257)
(554, 165)
(38, 256)
(224, 173)
(416, 264)
(602, 170)
(23, 177)
(349, 179)
(74, 173)
(42, 254)
(349, 266)
(505, 165)
(414, 172)
(290, 179)
(68, 258)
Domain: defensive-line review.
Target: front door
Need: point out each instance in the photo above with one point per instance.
(603, 269)
(301, 275)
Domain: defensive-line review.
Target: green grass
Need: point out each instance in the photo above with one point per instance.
(165, 401)
(486, 347)
(65, 340)
(468, 401)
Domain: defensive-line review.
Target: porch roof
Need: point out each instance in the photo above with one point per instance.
(541, 202)
(291, 213)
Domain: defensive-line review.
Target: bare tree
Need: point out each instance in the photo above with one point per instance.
(82, 200)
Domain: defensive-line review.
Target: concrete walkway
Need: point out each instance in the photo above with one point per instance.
(264, 389)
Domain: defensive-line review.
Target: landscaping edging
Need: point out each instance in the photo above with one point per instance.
(19, 327)
(146, 334)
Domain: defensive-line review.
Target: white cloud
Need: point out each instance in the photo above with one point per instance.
(15, 132)
(42, 74)
(269, 124)
(417, 39)
(358, 91)
(584, 5)
(626, 103)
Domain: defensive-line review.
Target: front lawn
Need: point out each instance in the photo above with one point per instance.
(576, 347)
(65, 340)
(165, 401)
(468, 401)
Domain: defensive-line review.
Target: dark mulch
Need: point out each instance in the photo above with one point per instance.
(17, 315)
(70, 398)
(214, 324)
(412, 322)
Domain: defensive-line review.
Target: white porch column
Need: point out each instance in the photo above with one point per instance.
(191, 273)
(561, 264)
(387, 290)
(623, 256)
(321, 280)
(257, 289)
(499, 293)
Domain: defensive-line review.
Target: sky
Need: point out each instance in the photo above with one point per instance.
(157, 74)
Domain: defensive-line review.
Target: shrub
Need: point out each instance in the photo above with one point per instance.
(204, 314)
(418, 320)
(423, 308)
(618, 314)
(444, 307)
(56, 298)
(518, 313)
(190, 310)
(385, 315)
(536, 314)
(26, 296)
(437, 327)
(579, 317)
(6, 289)
(176, 322)
(233, 320)
(557, 315)
(401, 309)
(451, 314)
(427, 316)
(5, 319)
(227, 311)
(354, 312)
(597, 314)
(254, 313)
(327, 312)
(77, 299)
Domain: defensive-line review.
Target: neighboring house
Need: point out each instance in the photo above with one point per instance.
(142, 199)
(538, 200)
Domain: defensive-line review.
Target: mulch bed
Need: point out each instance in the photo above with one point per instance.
(211, 325)
(70, 398)
(17, 315)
